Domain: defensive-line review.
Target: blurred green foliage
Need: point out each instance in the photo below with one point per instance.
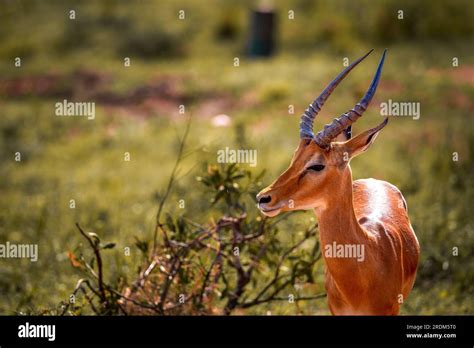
(190, 62)
(152, 30)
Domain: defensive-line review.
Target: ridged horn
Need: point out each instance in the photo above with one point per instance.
(330, 131)
(307, 119)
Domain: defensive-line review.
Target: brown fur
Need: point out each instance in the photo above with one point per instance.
(366, 212)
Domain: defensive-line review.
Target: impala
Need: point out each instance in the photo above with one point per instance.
(367, 214)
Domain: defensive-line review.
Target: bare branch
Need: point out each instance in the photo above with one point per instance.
(96, 250)
(170, 183)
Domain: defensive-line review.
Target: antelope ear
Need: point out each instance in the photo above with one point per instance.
(362, 142)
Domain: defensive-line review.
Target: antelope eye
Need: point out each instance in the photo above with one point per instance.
(316, 167)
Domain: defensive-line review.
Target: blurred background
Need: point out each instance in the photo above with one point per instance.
(140, 60)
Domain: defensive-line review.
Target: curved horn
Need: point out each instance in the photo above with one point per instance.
(306, 124)
(330, 131)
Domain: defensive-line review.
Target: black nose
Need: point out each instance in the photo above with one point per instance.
(264, 199)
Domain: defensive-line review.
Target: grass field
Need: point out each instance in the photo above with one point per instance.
(137, 113)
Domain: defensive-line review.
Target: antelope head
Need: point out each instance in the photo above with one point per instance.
(320, 163)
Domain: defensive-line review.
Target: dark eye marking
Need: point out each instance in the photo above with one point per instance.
(316, 167)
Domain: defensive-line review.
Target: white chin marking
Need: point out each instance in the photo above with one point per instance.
(271, 213)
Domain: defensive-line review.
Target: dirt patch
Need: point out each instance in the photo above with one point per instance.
(391, 87)
(161, 96)
(463, 75)
(53, 85)
(47, 85)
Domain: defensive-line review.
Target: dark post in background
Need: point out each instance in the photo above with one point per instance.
(262, 33)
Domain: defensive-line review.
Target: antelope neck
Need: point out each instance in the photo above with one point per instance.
(337, 220)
